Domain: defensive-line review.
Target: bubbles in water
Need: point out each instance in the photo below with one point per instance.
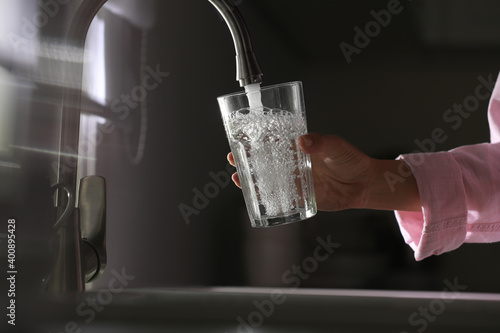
(276, 164)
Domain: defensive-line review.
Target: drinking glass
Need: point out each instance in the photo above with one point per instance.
(275, 175)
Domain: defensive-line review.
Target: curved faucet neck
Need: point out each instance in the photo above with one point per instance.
(247, 67)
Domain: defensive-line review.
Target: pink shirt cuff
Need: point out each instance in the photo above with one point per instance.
(442, 224)
(459, 192)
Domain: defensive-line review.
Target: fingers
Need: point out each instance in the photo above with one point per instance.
(236, 179)
(230, 158)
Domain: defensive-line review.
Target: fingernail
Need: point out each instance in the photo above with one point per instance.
(307, 141)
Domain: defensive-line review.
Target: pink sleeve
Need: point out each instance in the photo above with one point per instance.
(459, 192)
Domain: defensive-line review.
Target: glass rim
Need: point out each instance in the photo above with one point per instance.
(273, 86)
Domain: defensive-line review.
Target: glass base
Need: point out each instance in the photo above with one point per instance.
(291, 217)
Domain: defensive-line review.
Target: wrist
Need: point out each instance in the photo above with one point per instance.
(392, 186)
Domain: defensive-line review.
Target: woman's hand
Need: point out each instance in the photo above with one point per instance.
(344, 177)
(340, 172)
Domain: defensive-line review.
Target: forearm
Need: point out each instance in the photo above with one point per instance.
(392, 186)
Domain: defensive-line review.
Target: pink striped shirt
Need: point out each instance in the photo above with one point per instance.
(459, 193)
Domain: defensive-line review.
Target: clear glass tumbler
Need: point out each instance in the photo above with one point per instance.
(275, 174)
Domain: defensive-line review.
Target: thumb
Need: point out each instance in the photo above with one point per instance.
(330, 145)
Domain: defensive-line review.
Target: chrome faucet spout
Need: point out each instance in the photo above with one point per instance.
(247, 67)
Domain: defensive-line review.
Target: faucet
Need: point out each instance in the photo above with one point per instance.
(80, 230)
(247, 67)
